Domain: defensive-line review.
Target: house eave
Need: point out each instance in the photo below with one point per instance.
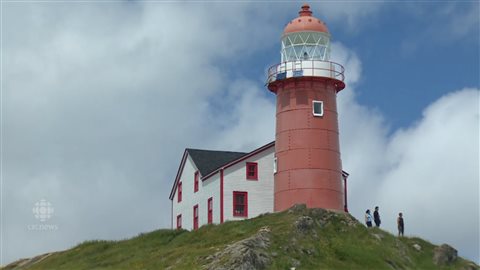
(180, 169)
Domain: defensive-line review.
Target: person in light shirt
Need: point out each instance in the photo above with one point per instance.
(368, 218)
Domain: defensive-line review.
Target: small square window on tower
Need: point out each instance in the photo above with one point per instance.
(317, 108)
(252, 171)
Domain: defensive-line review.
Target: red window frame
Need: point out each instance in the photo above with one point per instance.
(195, 181)
(210, 210)
(179, 192)
(252, 170)
(179, 221)
(237, 204)
(195, 217)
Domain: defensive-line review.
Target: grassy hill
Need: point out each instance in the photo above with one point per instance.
(300, 238)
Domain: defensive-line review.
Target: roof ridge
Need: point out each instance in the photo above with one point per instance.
(195, 149)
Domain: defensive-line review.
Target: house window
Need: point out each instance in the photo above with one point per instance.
(252, 171)
(275, 165)
(240, 204)
(195, 217)
(317, 108)
(195, 180)
(210, 210)
(179, 189)
(179, 221)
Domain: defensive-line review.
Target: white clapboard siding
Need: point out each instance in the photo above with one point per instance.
(260, 192)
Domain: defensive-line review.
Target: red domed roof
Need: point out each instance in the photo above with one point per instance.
(305, 22)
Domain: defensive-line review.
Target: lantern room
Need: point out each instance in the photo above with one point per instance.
(305, 51)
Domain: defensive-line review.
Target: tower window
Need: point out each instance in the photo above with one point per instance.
(252, 171)
(240, 204)
(317, 108)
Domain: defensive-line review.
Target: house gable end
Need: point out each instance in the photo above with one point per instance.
(206, 161)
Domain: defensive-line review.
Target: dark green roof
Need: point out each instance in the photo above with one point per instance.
(208, 161)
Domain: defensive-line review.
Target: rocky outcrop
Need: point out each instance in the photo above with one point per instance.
(304, 224)
(246, 254)
(444, 255)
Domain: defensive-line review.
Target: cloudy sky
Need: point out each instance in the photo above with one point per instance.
(99, 101)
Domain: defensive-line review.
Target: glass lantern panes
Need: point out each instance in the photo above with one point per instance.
(306, 46)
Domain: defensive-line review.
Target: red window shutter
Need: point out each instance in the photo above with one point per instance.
(195, 217)
(210, 210)
(195, 180)
(179, 189)
(252, 170)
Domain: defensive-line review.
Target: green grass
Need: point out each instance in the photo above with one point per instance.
(330, 246)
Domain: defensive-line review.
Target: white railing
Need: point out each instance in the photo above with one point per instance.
(302, 68)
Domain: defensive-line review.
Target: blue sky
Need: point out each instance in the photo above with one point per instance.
(99, 101)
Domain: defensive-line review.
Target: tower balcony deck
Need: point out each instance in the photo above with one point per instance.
(307, 68)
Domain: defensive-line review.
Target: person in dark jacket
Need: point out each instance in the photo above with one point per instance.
(400, 224)
(376, 217)
(368, 218)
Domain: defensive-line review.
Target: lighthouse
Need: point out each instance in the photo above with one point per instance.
(308, 168)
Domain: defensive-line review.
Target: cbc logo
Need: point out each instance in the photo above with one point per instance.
(43, 210)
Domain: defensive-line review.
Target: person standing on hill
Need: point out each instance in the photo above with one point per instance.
(376, 217)
(400, 224)
(368, 218)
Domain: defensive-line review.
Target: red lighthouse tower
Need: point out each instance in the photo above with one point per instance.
(307, 152)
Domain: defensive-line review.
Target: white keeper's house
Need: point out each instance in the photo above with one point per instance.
(216, 186)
